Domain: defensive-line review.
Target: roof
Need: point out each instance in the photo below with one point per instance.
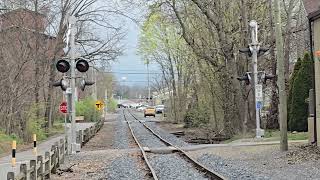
(10, 28)
(312, 8)
(19, 10)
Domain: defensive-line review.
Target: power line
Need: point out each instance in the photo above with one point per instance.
(144, 73)
(131, 73)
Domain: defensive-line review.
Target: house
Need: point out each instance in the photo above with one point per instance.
(313, 11)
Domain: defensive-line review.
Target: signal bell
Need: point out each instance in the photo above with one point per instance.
(85, 83)
(62, 83)
(246, 78)
(82, 65)
(63, 66)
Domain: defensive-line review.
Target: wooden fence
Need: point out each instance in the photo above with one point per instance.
(44, 166)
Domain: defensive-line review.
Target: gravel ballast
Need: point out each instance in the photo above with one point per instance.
(229, 169)
(163, 133)
(106, 158)
(144, 136)
(172, 166)
(167, 166)
(125, 167)
(167, 136)
(121, 140)
(261, 162)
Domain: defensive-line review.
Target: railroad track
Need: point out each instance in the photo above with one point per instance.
(176, 150)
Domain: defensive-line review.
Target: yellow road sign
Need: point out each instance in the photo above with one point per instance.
(99, 105)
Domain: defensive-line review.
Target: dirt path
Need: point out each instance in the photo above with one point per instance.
(99, 159)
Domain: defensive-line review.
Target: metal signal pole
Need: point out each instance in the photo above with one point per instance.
(254, 47)
(72, 22)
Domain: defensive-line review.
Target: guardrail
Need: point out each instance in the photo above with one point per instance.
(44, 166)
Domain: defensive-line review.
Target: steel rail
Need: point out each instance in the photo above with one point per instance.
(153, 172)
(201, 167)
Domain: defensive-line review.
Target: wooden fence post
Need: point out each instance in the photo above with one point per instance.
(23, 170)
(77, 137)
(33, 169)
(47, 165)
(53, 159)
(62, 150)
(56, 144)
(10, 176)
(66, 145)
(81, 137)
(40, 170)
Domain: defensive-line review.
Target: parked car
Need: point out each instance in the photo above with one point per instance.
(159, 109)
(150, 111)
(141, 108)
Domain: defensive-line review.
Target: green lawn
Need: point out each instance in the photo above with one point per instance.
(291, 136)
(270, 135)
(6, 140)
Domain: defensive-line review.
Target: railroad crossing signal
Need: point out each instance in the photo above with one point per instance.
(99, 105)
(64, 66)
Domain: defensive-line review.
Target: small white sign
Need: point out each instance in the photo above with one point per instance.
(259, 94)
(68, 91)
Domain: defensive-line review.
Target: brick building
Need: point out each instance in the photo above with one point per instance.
(26, 52)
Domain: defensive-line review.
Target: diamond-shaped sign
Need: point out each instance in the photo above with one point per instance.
(99, 105)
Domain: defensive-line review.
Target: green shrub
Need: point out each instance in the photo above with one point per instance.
(35, 125)
(6, 140)
(300, 85)
(87, 108)
(112, 105)
(295, 72)
(196, 117)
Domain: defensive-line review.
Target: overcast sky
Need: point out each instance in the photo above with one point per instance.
(130, 63)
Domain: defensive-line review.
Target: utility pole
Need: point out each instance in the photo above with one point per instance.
(149, 91)
(281, 81)
(254, 48)
(72, 22)
(94, 79)
(105, 102)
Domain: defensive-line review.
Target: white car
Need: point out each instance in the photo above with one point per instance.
(159, 109)
(142, 108)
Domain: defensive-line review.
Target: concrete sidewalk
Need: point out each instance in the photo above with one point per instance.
(26, 156)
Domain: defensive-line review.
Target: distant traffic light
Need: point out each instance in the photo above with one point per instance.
(62, 83)
(82, 65)
(63, 66)
(246, 78)
(84, 83)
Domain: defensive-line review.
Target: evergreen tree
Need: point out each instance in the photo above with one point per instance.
(295, 72)
(301, 84)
